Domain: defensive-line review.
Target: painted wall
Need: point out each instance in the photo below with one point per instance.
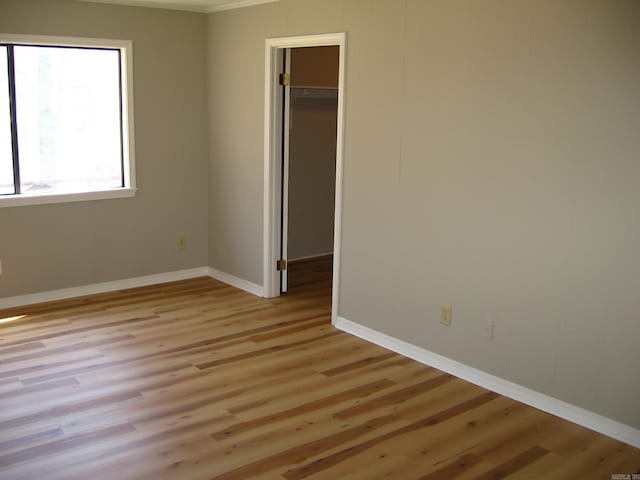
(64, 245)
(312, 154)
(315, 66)
(312, 176)
(491, 163)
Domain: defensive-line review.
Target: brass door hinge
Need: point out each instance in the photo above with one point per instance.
(285, 79)
(281, 265)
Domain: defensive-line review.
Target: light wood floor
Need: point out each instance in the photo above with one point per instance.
(196, 379)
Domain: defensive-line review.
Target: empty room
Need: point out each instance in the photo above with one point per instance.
(319, 239)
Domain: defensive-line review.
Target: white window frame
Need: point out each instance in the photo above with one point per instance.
(128, 144)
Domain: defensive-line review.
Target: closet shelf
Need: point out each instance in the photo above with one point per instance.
(314, 92)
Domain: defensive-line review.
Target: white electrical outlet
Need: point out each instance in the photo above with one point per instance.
(446, 313)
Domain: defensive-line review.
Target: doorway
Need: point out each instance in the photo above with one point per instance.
(309, 165)
(297, 107)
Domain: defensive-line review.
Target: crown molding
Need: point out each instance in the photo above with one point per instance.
(213, 7)
(152, 4)
(237, 4)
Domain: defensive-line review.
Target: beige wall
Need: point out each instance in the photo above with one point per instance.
(315, 67)
(57, 246)
(312, 176)
(312, 152)
(491, 163)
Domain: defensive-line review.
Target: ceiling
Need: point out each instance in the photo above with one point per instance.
(205, 6)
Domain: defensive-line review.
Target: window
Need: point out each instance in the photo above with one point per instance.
(65, 120)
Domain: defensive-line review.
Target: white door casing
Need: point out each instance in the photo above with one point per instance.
(286, 130)
(275, 50)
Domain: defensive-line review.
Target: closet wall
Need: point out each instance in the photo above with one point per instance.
(312, 154)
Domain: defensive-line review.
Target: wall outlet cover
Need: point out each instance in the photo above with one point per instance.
(446, 314)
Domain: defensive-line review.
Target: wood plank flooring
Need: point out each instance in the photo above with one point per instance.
(199, 380)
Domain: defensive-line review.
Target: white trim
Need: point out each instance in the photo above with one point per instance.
(22, 39)
(271, 202)
(26, 199)
(222, 4)
(310, 257)
(128, 121)
(134, 282)
(272, 46)
(237, 282)
(237, 4)
(53, 295)
(286, 136)
(337, 226)
(128, 151)
(320, 40)
(152, 4)
(573, 413)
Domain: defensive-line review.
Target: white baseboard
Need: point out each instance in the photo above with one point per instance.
(237, 282)
(310, 257)
(62, 294)
(562, 409)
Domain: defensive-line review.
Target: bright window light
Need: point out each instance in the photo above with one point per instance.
(12, 319)
(69, 122)
(66, 120)
(6, 155)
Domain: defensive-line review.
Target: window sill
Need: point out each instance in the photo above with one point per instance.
(45, 199)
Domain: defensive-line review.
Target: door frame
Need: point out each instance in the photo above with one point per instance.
(284, 172)
(274, 53)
